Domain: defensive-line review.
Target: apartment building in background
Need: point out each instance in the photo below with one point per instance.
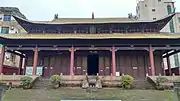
(157, 9)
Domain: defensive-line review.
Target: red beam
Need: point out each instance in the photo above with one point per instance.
(151, 58)
(72, 61)
(35, 60)
(2, 52)
(113, 61)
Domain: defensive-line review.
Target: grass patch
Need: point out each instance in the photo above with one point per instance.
(80, 94)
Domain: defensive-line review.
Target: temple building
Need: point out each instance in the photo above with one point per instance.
(92, 46)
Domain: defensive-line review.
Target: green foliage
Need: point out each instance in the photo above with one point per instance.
(161, 79)
(55, 79)
(26, 80)
(127, 81)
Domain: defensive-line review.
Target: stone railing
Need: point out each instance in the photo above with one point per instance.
(170, 78)
(14, 79)
(168, 84)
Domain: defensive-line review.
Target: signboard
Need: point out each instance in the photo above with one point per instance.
(39, 71)
(29, 70)
(78, 67)
(135, 67)
(117, 74)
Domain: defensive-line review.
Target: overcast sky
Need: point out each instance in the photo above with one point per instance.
(45, 9)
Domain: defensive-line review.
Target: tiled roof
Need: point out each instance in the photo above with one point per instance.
(91, 36)
(90, 20)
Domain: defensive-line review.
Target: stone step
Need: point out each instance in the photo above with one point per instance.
(91, 81)
(42, 83)
(139, 84)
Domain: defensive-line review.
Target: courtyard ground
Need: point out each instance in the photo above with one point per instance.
(78, 93)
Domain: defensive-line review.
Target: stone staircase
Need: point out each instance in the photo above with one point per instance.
(139, 84)
(92, 81)
(42, 83)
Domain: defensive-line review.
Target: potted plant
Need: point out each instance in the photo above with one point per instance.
(55, 80)
(26, 82)
(126, 81)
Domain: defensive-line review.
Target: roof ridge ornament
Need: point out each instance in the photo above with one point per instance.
(92, 15)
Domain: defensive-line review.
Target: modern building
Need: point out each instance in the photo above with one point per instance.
(8, 25)
(92, 46)
(156, 9)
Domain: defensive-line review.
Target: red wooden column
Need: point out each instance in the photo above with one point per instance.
(151, 58)
(72, 61)
(113, 61)
(35, 62)
(2, 52)
(169, 65)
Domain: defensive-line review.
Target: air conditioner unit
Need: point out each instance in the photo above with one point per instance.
(12, 28)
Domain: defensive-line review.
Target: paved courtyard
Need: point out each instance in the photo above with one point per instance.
(77, 93)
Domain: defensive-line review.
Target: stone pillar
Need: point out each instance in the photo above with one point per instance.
(113, 61)
(151, 58)
(169, 65)
(35, 62)
(2, 53)
(72, 61)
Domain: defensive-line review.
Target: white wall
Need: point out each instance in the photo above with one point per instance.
(146, 13)
(13, 30)
(12, 24)
(177, 23)
(1, 16)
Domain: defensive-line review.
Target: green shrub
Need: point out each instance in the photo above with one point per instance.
(127, 81)
(55, 79)
(26, 82)
(161, 79)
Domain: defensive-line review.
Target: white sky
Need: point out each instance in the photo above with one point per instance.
(45, 9)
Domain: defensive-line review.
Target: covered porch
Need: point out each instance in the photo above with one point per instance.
(136, 55)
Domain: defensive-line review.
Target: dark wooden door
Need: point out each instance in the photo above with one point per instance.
(46, 66)
(57, 65)
(107, 68)
(65, 64)
(51, 65)
(78, 65)
(104, 65)
(101, 65)
(135, 66)
(141, 63)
